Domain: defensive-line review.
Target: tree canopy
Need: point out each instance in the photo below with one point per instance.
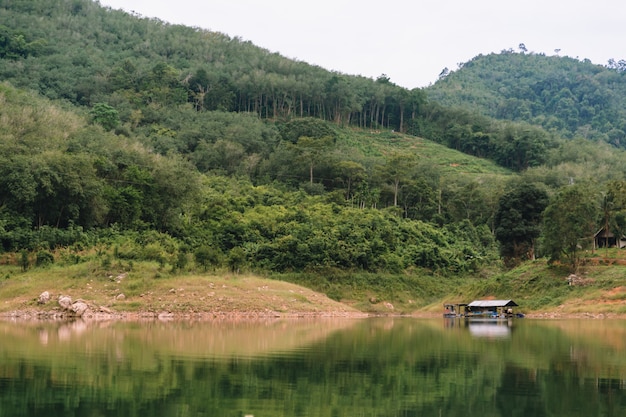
(189, 142)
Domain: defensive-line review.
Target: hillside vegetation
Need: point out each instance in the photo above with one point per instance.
(573, 98)
(126, 141)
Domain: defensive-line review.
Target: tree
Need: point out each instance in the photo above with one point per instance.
(307, 126)
(350, 173)
(105, 115)
(205, 256)
(418, 199)
(395, 171)
(518, 222)
(312, 150)
(569, 224)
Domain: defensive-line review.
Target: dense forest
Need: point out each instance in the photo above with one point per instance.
(572, 98)
(186, 147)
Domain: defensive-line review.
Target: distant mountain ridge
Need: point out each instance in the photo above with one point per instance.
(563, 95)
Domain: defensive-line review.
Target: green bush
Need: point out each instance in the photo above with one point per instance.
(44, 258)
(206, 256)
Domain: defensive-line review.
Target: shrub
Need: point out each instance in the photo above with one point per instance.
(206, 256)
(44, 258)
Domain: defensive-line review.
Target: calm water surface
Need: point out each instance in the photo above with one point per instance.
(322, 367)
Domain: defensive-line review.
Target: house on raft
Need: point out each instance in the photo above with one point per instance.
(482, 308)
(455, 309)
(492, 308)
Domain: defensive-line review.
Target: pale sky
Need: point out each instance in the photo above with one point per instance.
(410, 41)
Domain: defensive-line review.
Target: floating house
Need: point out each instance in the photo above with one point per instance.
(482, 308)
(455, 310)
(492, 308)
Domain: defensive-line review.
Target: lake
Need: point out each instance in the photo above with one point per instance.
(314, 368)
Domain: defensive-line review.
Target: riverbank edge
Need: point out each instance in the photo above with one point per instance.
(53, 315)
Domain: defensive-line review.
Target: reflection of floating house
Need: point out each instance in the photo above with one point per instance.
(491, 308)
(499, 329)
(482, 308)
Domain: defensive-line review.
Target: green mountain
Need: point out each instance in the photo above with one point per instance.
(574, 99)
(141, 140)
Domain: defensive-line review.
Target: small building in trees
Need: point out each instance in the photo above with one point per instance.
(606, 239)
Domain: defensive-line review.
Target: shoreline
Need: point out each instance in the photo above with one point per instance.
(61, 316)
(40, 315)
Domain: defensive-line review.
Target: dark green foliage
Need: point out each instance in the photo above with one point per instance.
(236, 259)
(517, 146)
(518, 221)
(293, 130)
(105, 115)
(206, 256)
(44, 258)
(570, 222)
(181, 261)
(14, 44)
(248, 159)
(561, 94)
(314, 236)
(24, 260)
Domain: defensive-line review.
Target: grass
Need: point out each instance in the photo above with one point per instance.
(149, 287)
(376, 143)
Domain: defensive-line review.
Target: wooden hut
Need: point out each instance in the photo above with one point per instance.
(455, 309)
(604, 239)
(491, 308)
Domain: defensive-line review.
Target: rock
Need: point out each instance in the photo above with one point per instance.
(80, 308)
(65, 302)
(574, 279)
(165, 316)
(44, 297)
(120, 297)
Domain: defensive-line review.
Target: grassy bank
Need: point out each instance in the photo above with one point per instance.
(124, 286)
(145, 287)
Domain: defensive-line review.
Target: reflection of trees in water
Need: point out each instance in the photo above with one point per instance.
(519, 394)
(381, 367)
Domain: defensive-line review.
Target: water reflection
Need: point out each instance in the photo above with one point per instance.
(490, 328)
(325, 367)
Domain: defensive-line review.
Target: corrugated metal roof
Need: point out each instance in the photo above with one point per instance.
(493, 303)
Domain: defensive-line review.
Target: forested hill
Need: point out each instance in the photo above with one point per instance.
(564, 95)
(142, 77)
(79, 51)
(170, 143)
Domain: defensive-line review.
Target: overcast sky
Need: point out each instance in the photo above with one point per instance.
(411, 41)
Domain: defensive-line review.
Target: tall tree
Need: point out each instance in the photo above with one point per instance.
(312, 151)
(395, 171)
(569, 224)
(518, 222)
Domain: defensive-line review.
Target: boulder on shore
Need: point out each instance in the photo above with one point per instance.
(77, 308)
(80, 308)
(44, 297)
(65, 302)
